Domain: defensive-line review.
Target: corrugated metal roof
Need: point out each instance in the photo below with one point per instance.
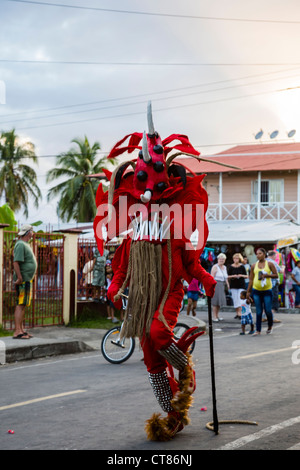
(256, 157)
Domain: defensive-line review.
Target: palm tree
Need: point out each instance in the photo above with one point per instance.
(18, 181)
(77, 192)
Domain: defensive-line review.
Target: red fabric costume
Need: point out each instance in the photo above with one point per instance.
(154, 259)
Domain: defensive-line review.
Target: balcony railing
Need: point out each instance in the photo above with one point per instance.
(254, 211)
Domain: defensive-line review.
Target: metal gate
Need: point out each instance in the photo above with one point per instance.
(47, 299)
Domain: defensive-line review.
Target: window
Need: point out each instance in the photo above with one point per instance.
(271, 192)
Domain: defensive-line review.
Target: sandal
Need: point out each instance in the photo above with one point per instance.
(22, 336)
(28, 334)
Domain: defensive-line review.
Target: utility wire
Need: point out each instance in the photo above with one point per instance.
(230, 144)
(157, 110)
(141, 102)
(151, 64)
(164, 15)
(171, 90)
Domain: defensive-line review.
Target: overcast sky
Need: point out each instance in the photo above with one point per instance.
(217, 71)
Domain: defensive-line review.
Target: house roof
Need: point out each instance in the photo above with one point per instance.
(256, 157)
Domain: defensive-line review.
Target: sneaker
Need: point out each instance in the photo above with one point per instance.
(221, 319)
(269, 331)
(215, 319)
(115, 320)
(251, 332)
(242, 333)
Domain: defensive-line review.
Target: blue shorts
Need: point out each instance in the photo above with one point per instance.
(247, 319)
(193, 294)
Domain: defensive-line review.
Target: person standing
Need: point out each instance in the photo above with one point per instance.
(193, 296)
(260, 289)
(247, 267)
(246, 318)
(236, 276)
(296, 283)
(99, 277)
(88, 274)
(219, 273)
(275, 283)
(25, 267)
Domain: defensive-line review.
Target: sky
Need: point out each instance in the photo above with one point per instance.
(216, 71)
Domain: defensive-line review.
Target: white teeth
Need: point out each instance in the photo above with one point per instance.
(150, 229)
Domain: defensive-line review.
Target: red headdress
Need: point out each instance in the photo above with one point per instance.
(155, 179)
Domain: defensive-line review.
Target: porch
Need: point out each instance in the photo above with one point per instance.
(289, 211)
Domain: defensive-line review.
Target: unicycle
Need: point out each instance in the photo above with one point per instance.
(114, 349)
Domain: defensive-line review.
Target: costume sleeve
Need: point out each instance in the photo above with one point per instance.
(194, 269)
(119, 266)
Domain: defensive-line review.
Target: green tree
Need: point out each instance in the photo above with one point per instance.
(77, 192)
(18, 181)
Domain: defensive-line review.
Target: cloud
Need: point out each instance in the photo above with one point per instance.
(36, 32)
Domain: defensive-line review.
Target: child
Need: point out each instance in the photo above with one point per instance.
(110, 306)
(246, 317)
(193, 296)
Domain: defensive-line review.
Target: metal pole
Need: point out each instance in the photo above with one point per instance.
(212, 365)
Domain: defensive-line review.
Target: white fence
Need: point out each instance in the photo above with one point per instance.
(254, 211)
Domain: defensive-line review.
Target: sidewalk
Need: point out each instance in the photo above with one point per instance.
(58, 340)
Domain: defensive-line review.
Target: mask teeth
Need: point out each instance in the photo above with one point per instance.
(150, 228)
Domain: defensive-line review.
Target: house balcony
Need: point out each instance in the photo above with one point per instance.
(289, 211)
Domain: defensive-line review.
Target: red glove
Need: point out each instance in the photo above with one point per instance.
(209, 285)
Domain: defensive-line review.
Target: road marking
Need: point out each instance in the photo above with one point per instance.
(274, 351)
(12, 367)
(36, 400)
(260, 434)
(295, 447)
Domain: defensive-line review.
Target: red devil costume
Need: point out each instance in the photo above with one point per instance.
(162, 206)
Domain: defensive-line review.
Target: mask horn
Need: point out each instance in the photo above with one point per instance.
(151, 129)
(146, 154)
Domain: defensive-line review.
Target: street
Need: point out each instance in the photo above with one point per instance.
(82, 402)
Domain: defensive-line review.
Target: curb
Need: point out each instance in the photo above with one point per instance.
(38, 351)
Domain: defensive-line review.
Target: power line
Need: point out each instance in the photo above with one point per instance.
(141, 102)
(143, 112)
(151, 64)
(151, 93)
(165, 15)
(224, 144)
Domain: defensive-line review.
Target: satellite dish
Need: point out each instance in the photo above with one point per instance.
(291, 133)
(259, 134)
(274, 134)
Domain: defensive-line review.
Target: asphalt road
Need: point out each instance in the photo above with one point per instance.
(82, 402)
